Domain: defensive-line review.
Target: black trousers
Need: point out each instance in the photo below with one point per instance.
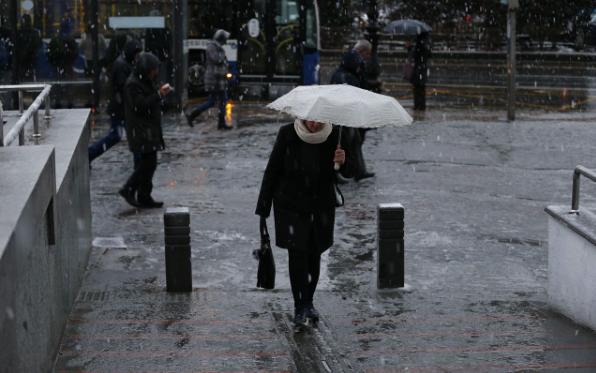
(305, 267)
(356, 140)
(141, 180)
(419, 96)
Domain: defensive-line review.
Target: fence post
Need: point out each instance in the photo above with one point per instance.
(1, 125)
(22, 137)
(390, 246)
(36, 125)
(47, 105)
(21, 103)
(177, 240)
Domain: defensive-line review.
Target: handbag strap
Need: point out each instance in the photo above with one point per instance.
(340, 194)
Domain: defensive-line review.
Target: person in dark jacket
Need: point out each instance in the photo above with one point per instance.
(116, 46)
(29, 41)
(422, 53)
(349, 73)
(142, 98)
(215, 80)
(62, 53)
(299, 182)
(121, 70)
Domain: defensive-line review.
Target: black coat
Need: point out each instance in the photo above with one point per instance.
(347, 72)
(422, 53)
(62, 52)
(142, 108)
(121, 70)
(30, 42)
(299, 182)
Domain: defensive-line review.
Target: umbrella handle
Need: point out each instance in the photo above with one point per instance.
(336, 166)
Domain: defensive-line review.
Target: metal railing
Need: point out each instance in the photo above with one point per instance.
(579, 170)
(18, 131)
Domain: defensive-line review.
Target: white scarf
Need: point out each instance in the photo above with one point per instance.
(309, 137)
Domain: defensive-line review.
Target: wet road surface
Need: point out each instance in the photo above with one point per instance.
(474, 188)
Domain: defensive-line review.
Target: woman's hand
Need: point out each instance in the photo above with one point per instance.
(340, 155)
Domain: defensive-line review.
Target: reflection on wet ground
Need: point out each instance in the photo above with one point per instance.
(475, 243)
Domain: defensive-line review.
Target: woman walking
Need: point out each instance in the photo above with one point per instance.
(422, 53)
(216, 82)
(299, 182)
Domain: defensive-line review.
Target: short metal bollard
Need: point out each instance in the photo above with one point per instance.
(177, 239)
(390, 246)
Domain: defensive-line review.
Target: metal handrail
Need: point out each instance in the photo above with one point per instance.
(579, 170)
(27, 88)
(19, 128)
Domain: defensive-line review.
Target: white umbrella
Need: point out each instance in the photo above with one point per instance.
(343, 105)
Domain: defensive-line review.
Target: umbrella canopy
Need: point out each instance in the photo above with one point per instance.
(344, 105)
(407, 27)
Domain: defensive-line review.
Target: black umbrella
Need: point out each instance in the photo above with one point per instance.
(407, 27)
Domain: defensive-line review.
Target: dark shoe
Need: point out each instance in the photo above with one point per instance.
(149, 202)
(129, 197)
(221, 125)
(312, 313)
(300, 316)
(341, 180)
(189, 120)
(363, 176)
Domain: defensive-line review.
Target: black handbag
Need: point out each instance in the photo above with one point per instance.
(266, 272)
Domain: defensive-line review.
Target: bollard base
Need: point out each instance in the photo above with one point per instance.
(178, 269)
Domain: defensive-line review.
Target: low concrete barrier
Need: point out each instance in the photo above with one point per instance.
(45, 240)
(571, 260)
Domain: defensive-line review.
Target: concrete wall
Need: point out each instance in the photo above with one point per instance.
(45, 240)
(571, 262)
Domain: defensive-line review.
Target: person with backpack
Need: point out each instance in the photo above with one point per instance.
(62, 53)
(121, 70)
(29, 40)
(215, 80)
(5, 63)
(142, 110)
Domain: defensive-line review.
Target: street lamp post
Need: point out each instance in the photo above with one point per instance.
(372, 34)
(511, 78)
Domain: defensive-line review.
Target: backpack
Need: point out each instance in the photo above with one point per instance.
(3, 55)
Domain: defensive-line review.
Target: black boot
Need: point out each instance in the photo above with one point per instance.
(129, 197)
(149, 202)
(312, 313)
(365, 175)
(221, 125)
(300, 316)
(189, 119)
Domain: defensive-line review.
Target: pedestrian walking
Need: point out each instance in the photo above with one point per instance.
(142, 98)
(215, 80)
(29, 41)
(116, 46)
(349, 72)
(422, 53)
(299, 182)
(62, 52)
(121, 70)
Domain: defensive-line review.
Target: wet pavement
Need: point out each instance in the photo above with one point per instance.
(474, 188)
